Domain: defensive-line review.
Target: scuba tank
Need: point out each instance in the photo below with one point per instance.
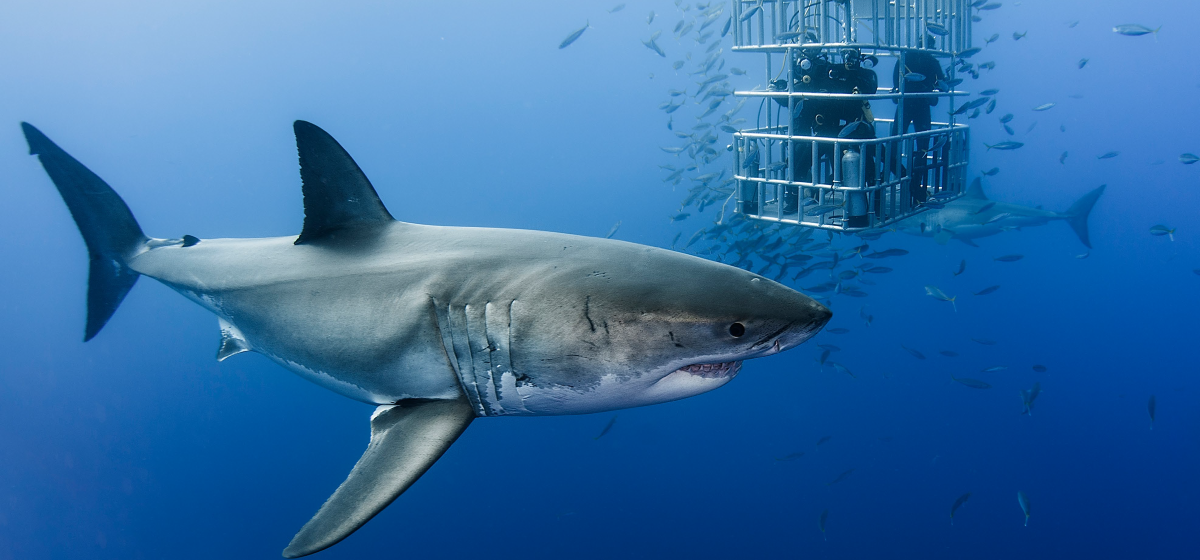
(856, 200)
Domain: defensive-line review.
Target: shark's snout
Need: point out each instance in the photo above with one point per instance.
(808, 321)
(820, 316)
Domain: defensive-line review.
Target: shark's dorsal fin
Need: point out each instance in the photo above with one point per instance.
(337, 195)
(406, 439)
(976, 190)
(232, 341)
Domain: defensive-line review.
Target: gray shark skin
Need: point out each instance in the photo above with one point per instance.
(973, 216)
(437, 326)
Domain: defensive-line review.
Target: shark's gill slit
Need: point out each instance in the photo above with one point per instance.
(466, 358)
(482, 356)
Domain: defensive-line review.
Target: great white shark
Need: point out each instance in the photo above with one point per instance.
(437, 326)
(973, 216)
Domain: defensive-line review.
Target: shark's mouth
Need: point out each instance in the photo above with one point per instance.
(714, 371)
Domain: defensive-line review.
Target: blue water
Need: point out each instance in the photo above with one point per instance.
(139, 444)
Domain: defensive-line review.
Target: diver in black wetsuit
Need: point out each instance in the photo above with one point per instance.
(917, 110)
(811, 71)
(856, 75)
(815, 118)
(853, 76)
(824, 116)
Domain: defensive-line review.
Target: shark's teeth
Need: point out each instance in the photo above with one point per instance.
(723, 369)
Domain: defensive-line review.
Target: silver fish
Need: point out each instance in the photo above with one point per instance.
(886, 253)
(573, 36)
(607, 427)
(972, 383)
(1135, 30)
(818, 210)
(1028, 396)
(1161, 230)
(1006, 145)
(938, 294)
(957, 504)
(652, 45)
(968, 53)
(915, 353)
(840, 477)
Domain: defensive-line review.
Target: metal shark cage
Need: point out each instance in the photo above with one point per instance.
(867, 180)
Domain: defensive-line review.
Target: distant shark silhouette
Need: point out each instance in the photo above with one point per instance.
(973, 216)
(438, 325)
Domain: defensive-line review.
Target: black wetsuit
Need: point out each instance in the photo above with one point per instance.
(864, 81)
(818, 117)
(917, 111)
(824, 117)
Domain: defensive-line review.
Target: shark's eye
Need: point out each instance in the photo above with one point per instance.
(737, 330)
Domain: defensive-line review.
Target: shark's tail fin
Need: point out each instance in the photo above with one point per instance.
(1077, 215)
(109, 229)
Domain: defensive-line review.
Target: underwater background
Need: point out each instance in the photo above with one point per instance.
(140, 445)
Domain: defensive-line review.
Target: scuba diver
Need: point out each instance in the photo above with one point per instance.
(815, 117)
(916, 111)
(826, 116)
(855, 120)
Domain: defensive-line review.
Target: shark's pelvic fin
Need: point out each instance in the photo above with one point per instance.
(232, 341)
(337, 195)
(109, 229)
(1077, 214)
(975, 190)
(406, 439)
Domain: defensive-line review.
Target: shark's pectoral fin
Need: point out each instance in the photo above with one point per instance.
(232, 341)
(406, 439)
(966, 240)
